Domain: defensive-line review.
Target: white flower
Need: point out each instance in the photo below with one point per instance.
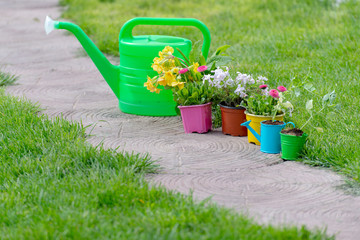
(265, 92)
(244, 79)
(251, 81)
(219, 74)
(229, 82)
(262, 78)
(240, 90)
(207, 78)
(239, 77)
(217, 84)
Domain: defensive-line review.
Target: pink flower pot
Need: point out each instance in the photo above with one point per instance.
(196, 118)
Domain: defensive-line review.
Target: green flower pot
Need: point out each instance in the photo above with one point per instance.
(291, 146)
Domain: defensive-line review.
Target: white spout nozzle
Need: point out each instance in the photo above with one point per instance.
(49, 25)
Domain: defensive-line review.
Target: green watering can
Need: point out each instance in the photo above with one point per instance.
(136, 57)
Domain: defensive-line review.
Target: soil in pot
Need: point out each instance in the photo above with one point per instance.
(271, 122)
(293, 131)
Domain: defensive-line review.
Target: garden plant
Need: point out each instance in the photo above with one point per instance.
(293, 139)
(184, 76)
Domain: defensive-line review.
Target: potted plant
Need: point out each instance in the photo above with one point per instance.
(183, 76)
(230, 92)
(262, 105)
(293, 139)
(195, 106)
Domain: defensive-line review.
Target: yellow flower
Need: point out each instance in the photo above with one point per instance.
(157, 60)
(169, 77)
(168, 64)
(154, 89)
(172, 62)
(168, 50)
(175, 70)
(174, 83)
(181, 85)
(162, 81)
(161, 55)
(195, 67)
(156, 67)
(150, 86)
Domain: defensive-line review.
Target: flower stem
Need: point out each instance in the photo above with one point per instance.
(307, 121)
(183, 61)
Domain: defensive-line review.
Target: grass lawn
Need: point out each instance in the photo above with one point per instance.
(54, 185)
(310, 40)
(7, 78)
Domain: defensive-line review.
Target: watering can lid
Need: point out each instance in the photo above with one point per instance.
(150, 45)
(155, 40)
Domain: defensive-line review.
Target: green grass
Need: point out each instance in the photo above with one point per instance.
(7, 79)
(54, 185)
(315, 40)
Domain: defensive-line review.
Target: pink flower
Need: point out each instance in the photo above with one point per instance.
(281, 88)
(202, 68)
(274, 93)
(184, 70)
(263, 86)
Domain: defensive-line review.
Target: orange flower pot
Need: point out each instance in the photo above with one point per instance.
(232, 117)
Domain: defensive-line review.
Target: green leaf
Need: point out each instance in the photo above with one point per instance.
(329, 98)
(219, 61)
(332, 97)
(202, 60)
(309, 87)
(220, 50)
(331, 115)
(211, 66)
(326, 98)
(195, 52)
(225, 60)
(182, 54)
(185, 92)
(338, 106)
(319, 129)
(195, 95)
(287, 105)
(309, 105)
(297, 82)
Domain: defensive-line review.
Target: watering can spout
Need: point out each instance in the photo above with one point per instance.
(247, 124)
(50, 25)
(109, 71)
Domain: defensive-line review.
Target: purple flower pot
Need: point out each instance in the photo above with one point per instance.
(196, 118)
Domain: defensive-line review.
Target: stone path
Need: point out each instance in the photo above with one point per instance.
(235, 173)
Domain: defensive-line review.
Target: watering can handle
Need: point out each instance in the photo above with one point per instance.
(290, 123)
(126, 30)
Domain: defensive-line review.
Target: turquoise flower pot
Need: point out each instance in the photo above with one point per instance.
(270, 136)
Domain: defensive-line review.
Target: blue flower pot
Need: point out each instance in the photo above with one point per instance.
(270, 138)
